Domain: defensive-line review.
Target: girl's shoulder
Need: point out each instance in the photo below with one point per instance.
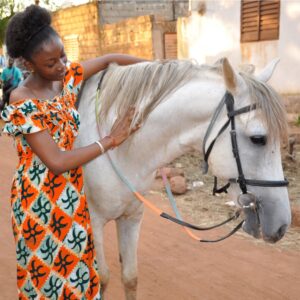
(20, 94)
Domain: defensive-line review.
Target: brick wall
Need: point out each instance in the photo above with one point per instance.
(78, 26)
(86, 36)
(141, 36)
(133, 36)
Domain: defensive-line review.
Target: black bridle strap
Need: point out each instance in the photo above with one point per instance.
(220, 190)
(207, 153)
(252, 182)
(235, 150)
(262, 183)
(231, 114)
(208, 132)
(241, 180)
(195, 227)
(226, 236)
(242, 110)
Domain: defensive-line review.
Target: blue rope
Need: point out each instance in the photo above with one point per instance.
(171, 196)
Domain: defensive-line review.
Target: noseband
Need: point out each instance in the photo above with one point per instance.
(243, 182)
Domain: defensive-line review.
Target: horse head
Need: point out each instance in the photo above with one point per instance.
(247, 153)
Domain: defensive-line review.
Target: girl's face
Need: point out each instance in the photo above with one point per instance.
(50, 61)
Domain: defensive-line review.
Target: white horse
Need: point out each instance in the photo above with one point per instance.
(176, 101)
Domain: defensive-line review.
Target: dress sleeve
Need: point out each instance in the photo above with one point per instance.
(74, 77)
(24, 117)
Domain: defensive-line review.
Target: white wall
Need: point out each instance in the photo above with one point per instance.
(216, 33)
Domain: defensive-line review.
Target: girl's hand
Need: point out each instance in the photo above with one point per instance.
(121, 128)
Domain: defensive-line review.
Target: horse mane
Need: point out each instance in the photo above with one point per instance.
(271, 105)
(146, 85)
(143, 85)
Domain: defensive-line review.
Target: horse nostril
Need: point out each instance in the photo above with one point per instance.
(281, 231)
(277, 236)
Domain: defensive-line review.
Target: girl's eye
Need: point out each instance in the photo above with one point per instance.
(64, 56)
(258, 140)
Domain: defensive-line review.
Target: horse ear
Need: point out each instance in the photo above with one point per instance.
(267, 72)
(230, 77)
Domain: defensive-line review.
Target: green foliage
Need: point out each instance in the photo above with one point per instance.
(298, 121)
(6, 12)
(9, 7)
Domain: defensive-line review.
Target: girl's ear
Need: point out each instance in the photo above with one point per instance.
(28, 65)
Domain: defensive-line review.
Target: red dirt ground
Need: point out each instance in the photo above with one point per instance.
(172, 266)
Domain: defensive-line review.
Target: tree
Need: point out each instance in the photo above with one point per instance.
(9, 7)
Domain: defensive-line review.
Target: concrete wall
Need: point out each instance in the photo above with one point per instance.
(216, 33)
(113, 11)
(79, 28)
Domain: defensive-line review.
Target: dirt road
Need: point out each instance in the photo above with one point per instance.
(171, 266)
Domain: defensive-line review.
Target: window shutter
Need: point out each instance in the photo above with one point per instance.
(260, 20)
(249, 21)
(269, 20)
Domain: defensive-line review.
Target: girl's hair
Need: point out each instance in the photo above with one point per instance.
(27, 31)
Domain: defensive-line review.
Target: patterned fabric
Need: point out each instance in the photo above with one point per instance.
(50, 218)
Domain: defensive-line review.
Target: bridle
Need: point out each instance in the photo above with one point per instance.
(243, 182)
(249, 204)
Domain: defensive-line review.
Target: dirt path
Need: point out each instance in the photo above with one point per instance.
(171, 266)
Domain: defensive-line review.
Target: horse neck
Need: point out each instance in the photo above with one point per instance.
(174, 128)
(88, 132)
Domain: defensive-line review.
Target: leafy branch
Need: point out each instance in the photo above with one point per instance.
(9, 7)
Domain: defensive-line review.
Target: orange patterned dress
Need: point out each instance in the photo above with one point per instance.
(50, 218)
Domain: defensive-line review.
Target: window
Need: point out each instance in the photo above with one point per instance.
(260, 20)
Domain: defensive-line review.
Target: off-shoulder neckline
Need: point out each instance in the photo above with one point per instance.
(54, 99)
(63, 92)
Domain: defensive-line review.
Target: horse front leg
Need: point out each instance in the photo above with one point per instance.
(99, 246)
(128, 228)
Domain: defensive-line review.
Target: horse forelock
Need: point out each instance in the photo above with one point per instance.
(270, 104)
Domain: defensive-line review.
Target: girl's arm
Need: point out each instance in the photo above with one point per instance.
(94, 65)
(58, 161)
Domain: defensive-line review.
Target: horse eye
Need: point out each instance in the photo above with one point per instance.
(258, 139)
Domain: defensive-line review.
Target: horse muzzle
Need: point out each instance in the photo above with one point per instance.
(255, 224)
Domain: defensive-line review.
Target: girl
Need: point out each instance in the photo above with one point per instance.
(51, 224)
